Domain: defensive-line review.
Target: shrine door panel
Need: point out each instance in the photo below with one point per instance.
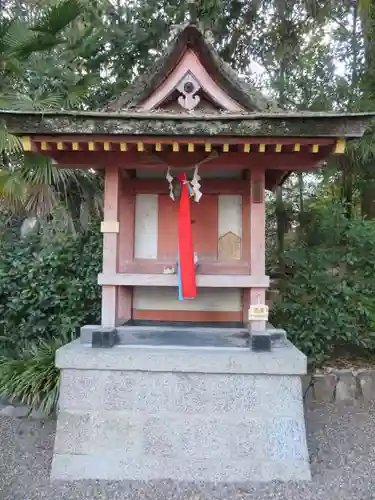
(204, 216)
(211, 304)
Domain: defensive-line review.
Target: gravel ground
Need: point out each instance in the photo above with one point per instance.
(341, 444)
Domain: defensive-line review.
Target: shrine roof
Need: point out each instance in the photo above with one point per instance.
(161, 123)
(224, 105)
(190, 37)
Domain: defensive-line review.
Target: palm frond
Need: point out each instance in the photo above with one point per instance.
(4, 29)
(364, 149)
(41, 177)
(32, 185)
(14, 33)
(38, 169)
(38, 43)
(12, 189)
(58, 17)
(78, 91)
(11, 66)
(50, 102)
(41, 199)
(91, 199)
(16, 101)
(9, 143)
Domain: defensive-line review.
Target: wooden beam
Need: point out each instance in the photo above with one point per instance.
(233, 160)
(26, 143)
(209, 186)
(96, 168)
(155, 266)
(44, 146)
(217, 140)
(210, 281)
(174, 316)
(340, 146)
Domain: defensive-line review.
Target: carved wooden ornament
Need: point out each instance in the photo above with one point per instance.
(188, 87)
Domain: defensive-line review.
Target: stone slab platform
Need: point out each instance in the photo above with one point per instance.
(183, 413)
(183, 336)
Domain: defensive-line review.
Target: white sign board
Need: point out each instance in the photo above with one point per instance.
(258, 312)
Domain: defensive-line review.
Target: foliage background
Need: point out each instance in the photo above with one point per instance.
(326, 304)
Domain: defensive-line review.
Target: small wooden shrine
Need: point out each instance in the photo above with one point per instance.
(187, 154)
(189, 115)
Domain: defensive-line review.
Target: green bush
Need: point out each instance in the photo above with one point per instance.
(30, 377)
(48, 287)
(328, 303)
(48, 290)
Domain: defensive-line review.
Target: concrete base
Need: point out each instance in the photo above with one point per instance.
(186, 413)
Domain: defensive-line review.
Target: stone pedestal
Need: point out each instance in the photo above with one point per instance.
(186, 413)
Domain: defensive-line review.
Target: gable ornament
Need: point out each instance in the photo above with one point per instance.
(188, 88)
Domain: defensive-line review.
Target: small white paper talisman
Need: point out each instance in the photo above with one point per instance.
(258, 312)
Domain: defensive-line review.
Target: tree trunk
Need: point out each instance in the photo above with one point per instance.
(280, 212)
(368, 191)
(347, 188)
(348, 170)
(280, 228)
(300, 192)
(368, 179)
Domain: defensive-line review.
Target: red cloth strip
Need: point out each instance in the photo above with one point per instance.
(185, 243)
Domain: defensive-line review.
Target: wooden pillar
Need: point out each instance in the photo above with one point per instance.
(126, 250)
(110, 229)
(257, 241)
(118, 245)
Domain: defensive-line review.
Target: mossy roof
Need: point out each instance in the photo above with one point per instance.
(260, 116)
(269, 124)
